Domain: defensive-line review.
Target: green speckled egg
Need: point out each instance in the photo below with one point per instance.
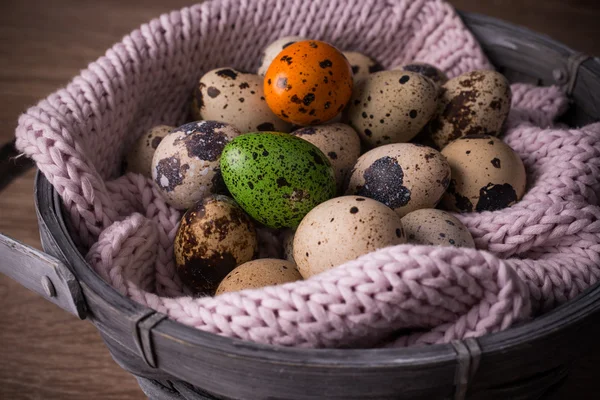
(276, 178)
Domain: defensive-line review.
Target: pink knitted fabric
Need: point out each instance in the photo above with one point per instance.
(531, 257)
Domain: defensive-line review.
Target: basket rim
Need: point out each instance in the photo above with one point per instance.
(572, 313)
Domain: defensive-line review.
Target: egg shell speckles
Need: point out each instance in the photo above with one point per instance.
(139, 158)
(308, 83)
(236, 98)
(339, 142)
(343, 229)
(391, 106)
(277, 178)
(274, 48)
(214, 237)
(259, 273)
(185, 165)
(403, 176)
(435, 74)
(436, 227)
(476, 103)
(361, 65)
(487, 175)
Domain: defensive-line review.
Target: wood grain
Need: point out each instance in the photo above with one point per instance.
(45, 352)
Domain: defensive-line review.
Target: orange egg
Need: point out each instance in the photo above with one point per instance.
(308, 83)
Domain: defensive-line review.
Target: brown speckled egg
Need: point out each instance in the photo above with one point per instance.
(342, 229)
(185, 165)
(391, 106)
(214, 237)
(361, 64)
(259, 273)
(476, 103)
(403, 176)
(487, 174)
(139, 158)
(436, 227)
(308, 83)
(236, 98)
(435, 74)
(287, 242)
(339, 142)
(274, 48)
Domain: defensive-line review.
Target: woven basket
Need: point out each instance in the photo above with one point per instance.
(174, 361)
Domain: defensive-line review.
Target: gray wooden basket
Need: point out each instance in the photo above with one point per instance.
(173, 361)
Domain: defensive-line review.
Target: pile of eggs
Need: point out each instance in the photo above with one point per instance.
(335, 155)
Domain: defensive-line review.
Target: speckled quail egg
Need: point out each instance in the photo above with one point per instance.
(339, 142)
(435, 74)
(259, 273)
(342, 229)
(214, 237)
(476, 103)
(361, 64)
(236, 98)
(277, 178)
(436, 227)
(487, 174)
(185, 165)
(274, 48)
(403, 176)
(139, 158)
(391, 106)
(308, 83)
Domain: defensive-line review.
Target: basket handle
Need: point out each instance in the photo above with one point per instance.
(34, 269)
(43, 274)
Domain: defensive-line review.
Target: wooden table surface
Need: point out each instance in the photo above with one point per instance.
(46, 353)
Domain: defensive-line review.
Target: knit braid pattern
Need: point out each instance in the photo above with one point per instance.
(531, 257)
(550, 237)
